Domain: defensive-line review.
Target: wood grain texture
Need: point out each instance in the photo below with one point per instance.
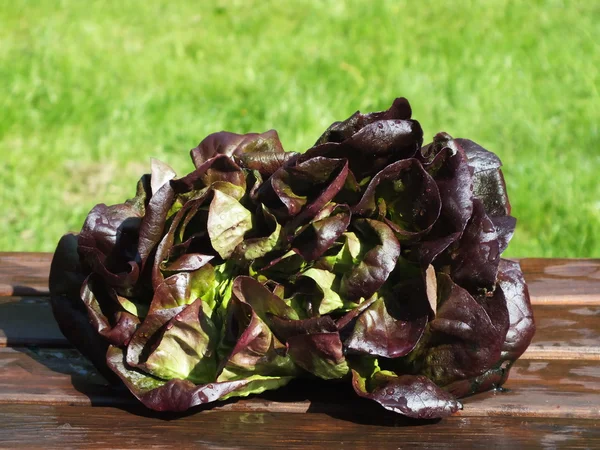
(534, 389)
(563, 281)
(81, 427)
(563, 331)
(24, 273)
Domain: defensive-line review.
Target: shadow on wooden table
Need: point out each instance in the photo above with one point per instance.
(64, 376)
(338, 400)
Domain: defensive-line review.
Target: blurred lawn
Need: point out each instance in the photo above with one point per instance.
(90, 91)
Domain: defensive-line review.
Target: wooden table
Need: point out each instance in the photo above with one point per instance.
(51, 397)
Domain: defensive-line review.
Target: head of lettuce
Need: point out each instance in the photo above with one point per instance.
(369, 259)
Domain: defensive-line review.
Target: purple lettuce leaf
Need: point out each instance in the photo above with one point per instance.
(216, 158)
(262, 238)
(373, 147)
(321, 354)
(263, 302)
(66, 272)
(117, 241)
(520, 330)
(505, 228)
(351, 191)
(448, 167)
(315, 293)
(66, 278)
(190, 241)
(381, 331)
(279, 196)
(429, 152)
(281, 269)
(107, 311)
(406, 196)
(286, 328)
(232, 144)
(302, 190)
(181, 395)
(371, 141)
(318, 236)
(394, 323)
(383, 142)
(462, 341)
(376, 263)
(176, 343)
(174, 243)
(219, 168)
(184, 288)
(254, 350)
(187, 262)
(522, 325)
(228, 222)
(153, 223)
(147, 336)
(474, 261)
(488, 181)
(312, 344)
(345, 323)
(107, 244)
(413, 396)
(453, 177)
(497, 310)
(340, 131)
(266, 163)
(343, 254)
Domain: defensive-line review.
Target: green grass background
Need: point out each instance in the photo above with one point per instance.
(90, 91)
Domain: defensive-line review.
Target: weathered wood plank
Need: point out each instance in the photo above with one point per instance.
(563, 281)
(551, 281)
(563, 331)
(24, 273)
(544, 388)
(534, 389)
(81, 427)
